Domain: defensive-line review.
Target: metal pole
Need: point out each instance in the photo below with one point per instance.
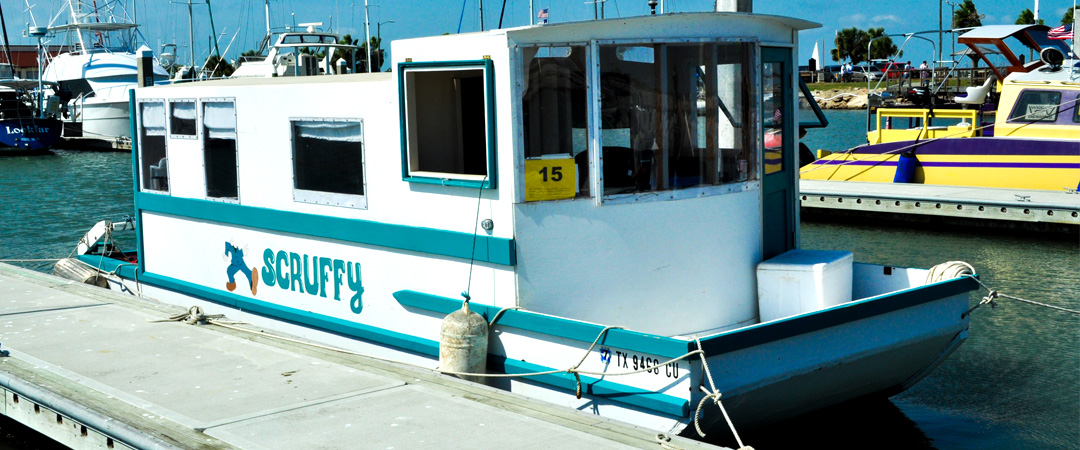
(481, 15)
(939, 29)
(191, 35)
(532, 14)
(267, 7)
(367, 34)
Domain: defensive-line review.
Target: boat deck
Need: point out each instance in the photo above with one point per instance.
(975, 206)
(91, 369)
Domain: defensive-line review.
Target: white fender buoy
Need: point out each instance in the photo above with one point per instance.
(463, 343)
(72, 269)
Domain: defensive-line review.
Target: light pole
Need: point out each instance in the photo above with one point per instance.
(378, 37)
(952, 19)
(939, 6)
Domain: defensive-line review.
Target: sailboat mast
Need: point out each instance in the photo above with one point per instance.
(7, 48)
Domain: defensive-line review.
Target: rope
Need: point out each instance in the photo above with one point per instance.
(499, 314)
(956, 269)
(472, 252)
(665, 442)
(30, 260)
(714, 394)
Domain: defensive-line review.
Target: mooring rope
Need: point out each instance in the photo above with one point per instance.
(956, 269)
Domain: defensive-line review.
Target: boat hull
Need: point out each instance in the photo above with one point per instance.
(104, 120)
(28, 135)
(879, 345)
(1017, 163)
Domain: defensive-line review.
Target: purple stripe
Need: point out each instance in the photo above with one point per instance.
(984, 146)
(1003, 165)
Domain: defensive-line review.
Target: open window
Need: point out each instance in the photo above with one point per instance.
(219, 149)
(675, 116)
(448, 114)
(328, 162)
(153, 155)
(182, 120)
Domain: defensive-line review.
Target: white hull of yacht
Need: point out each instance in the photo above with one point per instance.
(103, 120)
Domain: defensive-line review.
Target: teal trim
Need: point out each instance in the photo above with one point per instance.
(616, 392)
(135, 137)
(450, 182)
(400, 237)
(122, 268)
(489, 86)
(849, 312)
(662, 346)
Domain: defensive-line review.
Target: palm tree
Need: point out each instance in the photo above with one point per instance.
(1027, 18)
(966, 16)
(847, 45)
(1067, 19)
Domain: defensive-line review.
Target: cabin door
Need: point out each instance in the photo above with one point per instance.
(780, 164)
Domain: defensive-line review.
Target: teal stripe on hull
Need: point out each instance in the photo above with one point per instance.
(399, 237)
(628, 395)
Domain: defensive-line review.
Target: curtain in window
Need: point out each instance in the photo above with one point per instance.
(153, 118)
(219, 118)
(183, 110)
(330, 131)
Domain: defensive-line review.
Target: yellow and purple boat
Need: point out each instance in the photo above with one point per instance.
(1031, 140)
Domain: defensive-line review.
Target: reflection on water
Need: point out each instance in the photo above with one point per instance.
(1014, 384)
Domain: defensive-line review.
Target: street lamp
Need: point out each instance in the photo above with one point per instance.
(378, 37)
(952, 19)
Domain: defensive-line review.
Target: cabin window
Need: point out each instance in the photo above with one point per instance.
(675, 116)
(447, 110)
(219, 149)
(328, 162)
(153, 157)
(182, 119)
(1036, 106)
(554, 108)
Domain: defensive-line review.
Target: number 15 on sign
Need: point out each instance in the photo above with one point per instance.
(550, 179)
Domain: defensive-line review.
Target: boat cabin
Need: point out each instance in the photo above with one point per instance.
(610, 173)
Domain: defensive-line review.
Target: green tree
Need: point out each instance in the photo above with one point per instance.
(851, 44)
(1027, 18)
(1068, 17)
(218, 67)
(967, 16)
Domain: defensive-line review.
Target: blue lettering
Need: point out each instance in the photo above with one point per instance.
(297, 272)
(312, 286)
(324, 263)
(339, 270)
(268, 275)
(283, 276)
(357, 287)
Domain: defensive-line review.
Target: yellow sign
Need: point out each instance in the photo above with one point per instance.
(550, 179)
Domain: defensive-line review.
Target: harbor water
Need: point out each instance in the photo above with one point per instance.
(1015, 383)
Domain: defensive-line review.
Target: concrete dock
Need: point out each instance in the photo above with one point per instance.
(91, 369)
(1016, 209)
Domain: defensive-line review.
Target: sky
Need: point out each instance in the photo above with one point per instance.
(240, 24)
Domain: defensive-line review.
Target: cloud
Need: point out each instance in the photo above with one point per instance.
(886, 18)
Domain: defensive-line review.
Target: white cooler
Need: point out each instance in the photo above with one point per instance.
(801, 281)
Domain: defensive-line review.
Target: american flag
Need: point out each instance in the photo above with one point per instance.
(543, 15)
(1062, 32)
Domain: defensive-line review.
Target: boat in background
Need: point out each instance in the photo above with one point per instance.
(96, 69)
(1029, 140)
(296, 53)
(28, 122)
(626, 244)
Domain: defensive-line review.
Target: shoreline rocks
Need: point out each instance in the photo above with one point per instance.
(852, 98)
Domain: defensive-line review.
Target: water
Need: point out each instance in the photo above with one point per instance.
(1014, 384)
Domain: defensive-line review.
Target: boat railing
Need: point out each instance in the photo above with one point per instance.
(923, 120)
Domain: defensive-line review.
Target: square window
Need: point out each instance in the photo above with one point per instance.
(328, 162)
(153, 154)
(182, 120)
(448, 113)
(1036, 106)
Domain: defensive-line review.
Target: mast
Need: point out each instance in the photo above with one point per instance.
(7, 48)
(367, 34)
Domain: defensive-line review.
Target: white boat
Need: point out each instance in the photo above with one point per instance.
(296, 53)
(561, 177)
(97, 68)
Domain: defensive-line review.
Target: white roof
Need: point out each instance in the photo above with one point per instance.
(997, 31)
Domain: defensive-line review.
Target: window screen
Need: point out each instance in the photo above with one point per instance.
(182, 118)
(153, 158)
(328, 161)
(219, 149)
